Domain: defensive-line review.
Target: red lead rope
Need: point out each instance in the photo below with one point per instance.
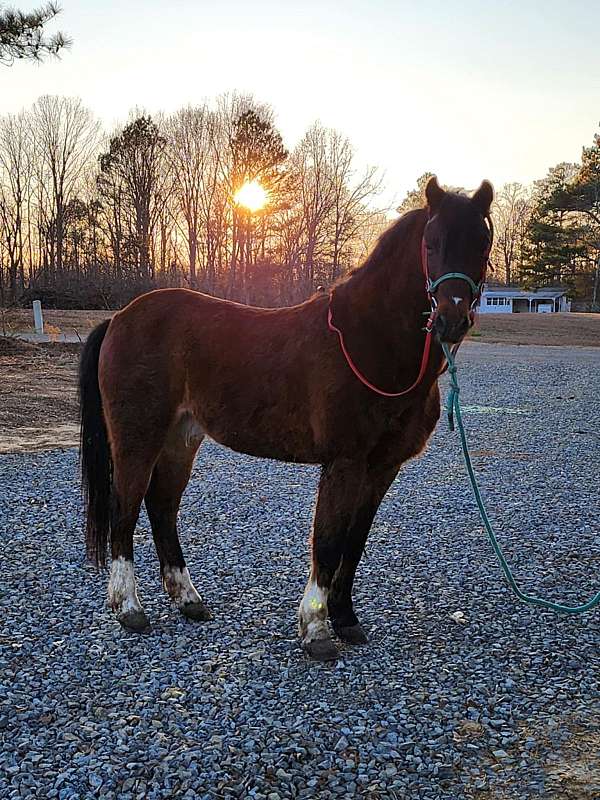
(361, 377)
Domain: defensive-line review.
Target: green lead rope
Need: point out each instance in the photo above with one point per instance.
(453, 410)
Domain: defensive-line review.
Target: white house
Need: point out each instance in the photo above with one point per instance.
(507, 300)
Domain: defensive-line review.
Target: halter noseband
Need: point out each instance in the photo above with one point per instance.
(475, 287)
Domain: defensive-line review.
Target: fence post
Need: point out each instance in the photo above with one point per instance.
(38, 317)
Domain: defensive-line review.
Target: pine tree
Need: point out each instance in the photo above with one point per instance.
(258, 150)
(22, 34)
(555, 236)
(133, 163)
(415, 198)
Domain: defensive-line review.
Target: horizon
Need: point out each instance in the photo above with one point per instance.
(478, 138)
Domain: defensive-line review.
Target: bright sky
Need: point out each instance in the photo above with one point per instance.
(465, 89)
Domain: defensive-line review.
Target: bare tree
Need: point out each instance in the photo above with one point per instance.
(15, 185)
(335, 201)
(352, 198)
(65, 136)
(511, 211)
(193, 152)
(311, 162)
(157, 207)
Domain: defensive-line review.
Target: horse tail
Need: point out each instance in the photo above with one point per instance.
(94, 449)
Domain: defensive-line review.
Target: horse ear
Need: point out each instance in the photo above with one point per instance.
(434, 193)
(484, 197)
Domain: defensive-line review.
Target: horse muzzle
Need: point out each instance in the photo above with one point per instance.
(451, 330)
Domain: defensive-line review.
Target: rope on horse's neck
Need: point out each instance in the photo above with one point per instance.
(452, 410)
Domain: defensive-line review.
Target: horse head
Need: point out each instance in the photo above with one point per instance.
(456, 247)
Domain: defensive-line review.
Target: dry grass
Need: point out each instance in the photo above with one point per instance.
(568, 330)
(563, 330)
(20, 320)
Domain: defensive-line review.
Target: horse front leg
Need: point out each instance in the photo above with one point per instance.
(341, 609)
(341, 483)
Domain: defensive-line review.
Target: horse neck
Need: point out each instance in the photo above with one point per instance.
(382, 304)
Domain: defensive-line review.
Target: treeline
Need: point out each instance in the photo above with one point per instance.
(89, 220)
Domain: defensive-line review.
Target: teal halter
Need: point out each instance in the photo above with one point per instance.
(475, 287)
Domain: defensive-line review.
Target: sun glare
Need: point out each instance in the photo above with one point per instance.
(252, 196)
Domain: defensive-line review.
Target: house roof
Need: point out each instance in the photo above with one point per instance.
(539, 294)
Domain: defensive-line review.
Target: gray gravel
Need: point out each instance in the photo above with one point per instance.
(500, 701)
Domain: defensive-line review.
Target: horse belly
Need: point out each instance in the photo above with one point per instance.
(264, 429)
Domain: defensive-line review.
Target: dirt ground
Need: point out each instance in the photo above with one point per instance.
(38, 397)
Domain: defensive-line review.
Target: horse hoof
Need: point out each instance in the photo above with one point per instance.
(196, 612)
(322, 650)
(134, 621)
(352, 634)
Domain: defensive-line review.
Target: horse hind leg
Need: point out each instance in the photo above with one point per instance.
(130, 479)
(169, 478)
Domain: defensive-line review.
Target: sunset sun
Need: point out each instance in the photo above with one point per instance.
(252, 196)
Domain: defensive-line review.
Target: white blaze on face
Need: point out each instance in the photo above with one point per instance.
(313, 613)
(457, 300)
(179, 586)
(122, 596)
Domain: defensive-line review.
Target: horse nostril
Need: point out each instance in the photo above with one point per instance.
(441, 324)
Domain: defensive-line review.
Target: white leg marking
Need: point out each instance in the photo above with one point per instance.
(457, 300)
(179, 586)
(122, 595)
(313, 613)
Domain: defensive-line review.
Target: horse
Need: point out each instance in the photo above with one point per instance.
(314, 383)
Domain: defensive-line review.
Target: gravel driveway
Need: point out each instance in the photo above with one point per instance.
(501, 702)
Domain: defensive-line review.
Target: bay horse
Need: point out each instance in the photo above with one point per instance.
(176, 365)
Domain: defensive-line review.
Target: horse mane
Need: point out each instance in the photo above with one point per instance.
(390, 243)
(387, 246)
